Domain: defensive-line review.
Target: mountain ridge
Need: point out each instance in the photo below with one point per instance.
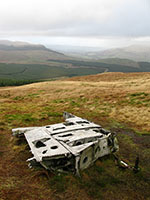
(23, 52)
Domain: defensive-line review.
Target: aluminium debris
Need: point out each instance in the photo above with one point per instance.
(70, 146)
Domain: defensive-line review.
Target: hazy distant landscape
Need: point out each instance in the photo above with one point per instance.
(30, 63)
(134, 52)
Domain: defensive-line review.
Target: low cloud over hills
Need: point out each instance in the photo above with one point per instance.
(134, 52)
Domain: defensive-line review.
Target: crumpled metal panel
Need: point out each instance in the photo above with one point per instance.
(70, 146)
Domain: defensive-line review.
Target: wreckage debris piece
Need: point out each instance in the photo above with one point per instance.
(73, 145)
(136, 166)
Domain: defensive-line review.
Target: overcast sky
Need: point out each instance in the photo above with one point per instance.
(103, 23)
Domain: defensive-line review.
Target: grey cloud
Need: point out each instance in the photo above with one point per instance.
(79, 19)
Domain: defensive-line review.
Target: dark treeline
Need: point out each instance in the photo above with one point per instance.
(20, 74)
(11, 82)
(144, 66)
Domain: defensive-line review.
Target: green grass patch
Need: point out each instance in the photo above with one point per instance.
(139, 94)
(139, 98)
(18, 98)
(54, 114)
(58, 183)
(115, 124)
(96, 179)
(27, 117)
(33, 95)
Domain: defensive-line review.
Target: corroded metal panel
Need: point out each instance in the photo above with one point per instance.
(70, 146)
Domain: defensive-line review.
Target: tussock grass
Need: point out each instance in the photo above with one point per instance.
(117, 101)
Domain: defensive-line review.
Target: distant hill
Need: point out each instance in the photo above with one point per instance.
(22, 52)
(24, 61)
(134, 52)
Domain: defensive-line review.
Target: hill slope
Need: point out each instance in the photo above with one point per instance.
(24, 61)
(119, 102)
(21, 52)
(134, 52)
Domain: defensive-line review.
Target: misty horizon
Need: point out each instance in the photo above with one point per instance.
(104, 24)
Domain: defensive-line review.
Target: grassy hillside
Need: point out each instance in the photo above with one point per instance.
(29, 56)
(119, 102)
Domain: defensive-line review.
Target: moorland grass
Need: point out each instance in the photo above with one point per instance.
(99, 98)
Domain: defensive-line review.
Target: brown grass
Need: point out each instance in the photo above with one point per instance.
(115, 100)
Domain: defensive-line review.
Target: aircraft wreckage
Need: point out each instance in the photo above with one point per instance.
(70, 146)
